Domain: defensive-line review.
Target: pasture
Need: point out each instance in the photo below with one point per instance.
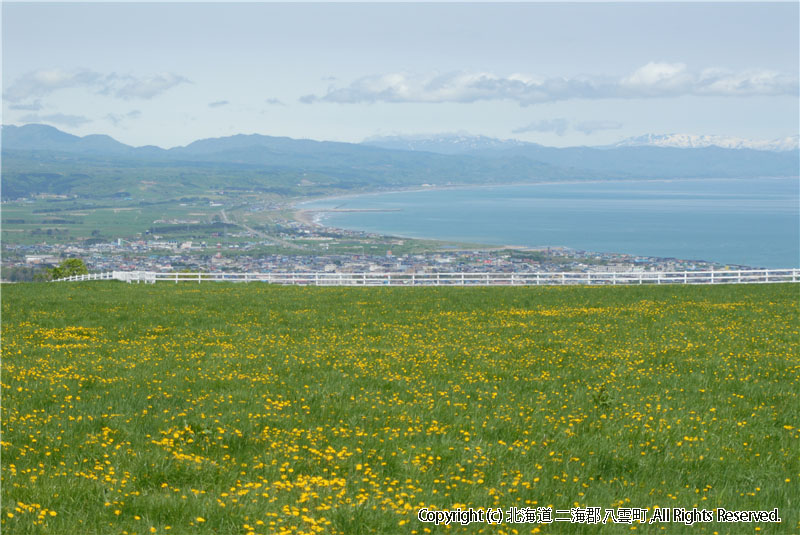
(252, 409)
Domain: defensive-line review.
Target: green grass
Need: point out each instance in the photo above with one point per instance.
(73, 220)
(260, 409)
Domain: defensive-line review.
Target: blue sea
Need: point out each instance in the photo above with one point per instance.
(753, 222)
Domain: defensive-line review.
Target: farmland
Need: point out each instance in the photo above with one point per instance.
(243, 409)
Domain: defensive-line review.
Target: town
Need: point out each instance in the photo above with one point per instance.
(303, 247)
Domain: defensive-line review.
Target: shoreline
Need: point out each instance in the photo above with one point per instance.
(316, 217)
(293, 204)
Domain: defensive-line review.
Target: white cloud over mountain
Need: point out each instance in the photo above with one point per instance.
(35, 105)
(674, 79)
(560, 126)
(118, 119)
(557, 126)
(57, 118)
(590, 127)
(649, 81)
(131, 87)
(44, 82)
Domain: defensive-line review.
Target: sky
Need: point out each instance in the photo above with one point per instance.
(562, 74)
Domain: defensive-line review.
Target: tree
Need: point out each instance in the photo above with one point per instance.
(68, 268)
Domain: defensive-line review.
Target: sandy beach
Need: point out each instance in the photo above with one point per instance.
(306, 217)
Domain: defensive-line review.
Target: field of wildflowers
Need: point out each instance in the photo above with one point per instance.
(244, 409)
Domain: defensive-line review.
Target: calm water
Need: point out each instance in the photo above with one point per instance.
(753, 222)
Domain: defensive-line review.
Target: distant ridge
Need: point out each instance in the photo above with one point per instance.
(443, 143)
(43, 159)
(44, 137)
(465, 143)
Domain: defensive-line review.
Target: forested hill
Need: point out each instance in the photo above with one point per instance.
(42, 159)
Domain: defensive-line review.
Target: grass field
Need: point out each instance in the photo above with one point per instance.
(237, 409)
(28, 222)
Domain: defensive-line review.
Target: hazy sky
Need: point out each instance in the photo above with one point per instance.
(557, 74)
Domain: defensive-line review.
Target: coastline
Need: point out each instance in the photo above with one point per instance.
(316, 218)
(293, 203)
(313, 218)
(306, 218)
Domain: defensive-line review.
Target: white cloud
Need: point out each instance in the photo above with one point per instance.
(655, 78)
(449, 87)
(117, 119)
(590, 127)
(36, 105)
(47, 81)
(651, 80)
(56, 118)
(747, 83)
(149, 87)
(558, 126)
(218, 103)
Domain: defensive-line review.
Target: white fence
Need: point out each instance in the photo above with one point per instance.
(109, 275)
(751, 276)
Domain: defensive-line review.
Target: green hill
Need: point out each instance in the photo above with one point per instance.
(41, 159)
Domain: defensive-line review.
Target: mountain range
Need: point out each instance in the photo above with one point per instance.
(444, 143)
(689, 141)
(42, 159)
(465, 144)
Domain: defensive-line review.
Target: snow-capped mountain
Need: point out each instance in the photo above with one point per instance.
(443, 143)
(469, 144)
(690, 141)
